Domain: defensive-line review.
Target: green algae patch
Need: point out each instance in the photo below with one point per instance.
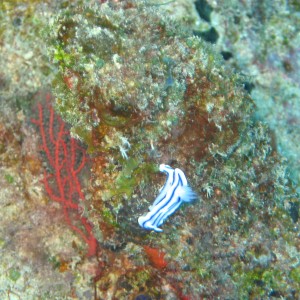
(108, 217)
(14, 274)
(9, 178)
(295, 274)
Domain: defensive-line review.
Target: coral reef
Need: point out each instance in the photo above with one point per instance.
(261, 39)
(138, 89)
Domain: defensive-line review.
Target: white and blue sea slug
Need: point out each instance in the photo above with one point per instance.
(175, 191)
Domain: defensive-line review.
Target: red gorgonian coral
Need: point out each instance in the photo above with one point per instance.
(65, 160)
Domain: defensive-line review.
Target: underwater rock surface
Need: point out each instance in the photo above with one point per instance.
(261, 39)
(138, 90)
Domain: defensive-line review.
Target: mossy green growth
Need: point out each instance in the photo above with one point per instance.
(108, 217)
(14, 274)
(54, 261)
(9, 178)
(140, 278)
(295, 4)
(295, 274)
(2, 243)
(203, 272)
(250, 283)
(258, 281)
(63, 58)
(125, 181)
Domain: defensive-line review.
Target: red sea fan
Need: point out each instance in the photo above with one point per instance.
(65, 160)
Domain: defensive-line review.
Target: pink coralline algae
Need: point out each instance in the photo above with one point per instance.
(66, 159)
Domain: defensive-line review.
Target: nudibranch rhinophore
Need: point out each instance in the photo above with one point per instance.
(175, 191)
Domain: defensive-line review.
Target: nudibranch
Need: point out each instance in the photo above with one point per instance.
(175, 191)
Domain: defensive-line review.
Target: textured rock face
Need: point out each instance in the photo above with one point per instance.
(261, 39)
(139, 90)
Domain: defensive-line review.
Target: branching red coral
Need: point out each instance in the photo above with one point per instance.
(65, 160)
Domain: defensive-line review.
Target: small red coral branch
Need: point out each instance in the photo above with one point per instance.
(66, 158)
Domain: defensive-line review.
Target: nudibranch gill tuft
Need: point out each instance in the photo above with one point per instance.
(175, 191)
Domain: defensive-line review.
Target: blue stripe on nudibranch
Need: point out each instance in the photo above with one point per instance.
(175, 191)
